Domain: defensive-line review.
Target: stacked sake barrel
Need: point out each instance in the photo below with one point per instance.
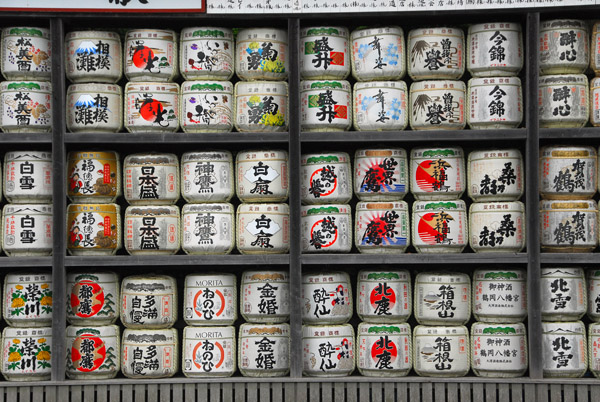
(563, 88)
(27, 95)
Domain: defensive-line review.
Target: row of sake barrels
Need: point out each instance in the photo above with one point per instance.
(440, 298)
(436, 227)
(159, 179)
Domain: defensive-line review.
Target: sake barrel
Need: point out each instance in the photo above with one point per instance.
(568, 172)
(93, 353)
(439, 227)
(27, 229)
(497, 227)
(500, 295)
(262, 175)
(94, 108)
(208, 352)
(149, 353)
(593, 294)
(93, 56)
(564, 349)
(438, 105)
(436, 53)
(564, 46)
(263, 229)
(151, 179)
(210, 299)
(261, 106)
(378, 53)
(564, 101)
(495, 175)
(26, 53)
(26, 107)
(207, 176)
(206, 53)
(381, 227)
(92, 298)
(325, 178)
(325, 106)
(564, 294)
(569, 226)
(264, 350)
(495, 49)
(494, 103)
(499, 350)
(148, 301)
(383, 297)
(28, 177)
(151, 107)
(324, 53)
(326, 228)
(442, 298)
(93, 176)
(327, 298)
(94, 229)
(380, 106)
(152, 230)
(261, 54)
(28, 299)
(26, 354)
(595, 49)
(381, 174)
(207, 228)
(328, 350)
(437, 173)
(594, 348)
(384, 350)
(265, 296)
(206, 107)
(441, 351)
(151, 55)
(595, 101)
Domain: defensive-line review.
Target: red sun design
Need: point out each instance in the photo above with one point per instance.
(427, 231)
(150, 109)
(376, 296)
(379, 347)
(425, 174)
(98, 352)
(97, 298)
(221, 298)
(324, 245)
(318, 172)
(141, 56)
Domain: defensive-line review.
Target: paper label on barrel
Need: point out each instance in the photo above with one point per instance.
(564, 175)
(91, 298)
(593, 309)
(499, 349)
(207, 180)
(563, 292)
(569, 228)
(501, 178)
(259, 112)
(563, 45)
(151, 183)
(210, 232)
(148, 360)
(440, 228)
(595, 98)
(496, 46)
(266, 298)
(381, 108)
(26, 52)
(265, 349)
(436, 53)
(260, 178)
(379, 54)
(209, 356)
(441, 352)
(207, 108)
(384, 351)
(382, 228)
(377, 175)
(27, 353)
(326, 232)
(28, 297)
(438, 108)
(333, 354)
(446, 302)
(384, 298)
(326, 301)
(264, 231)
(440, 175)
(27, 227)
(149, 56)
(26, 104)
(257, 55)
(324, 52)
(155, 110)
(500, 294)
(152, 233)
(140, 310)
(28, 175)
(93, 174)
(564, 101)
(326, 106)
(94, 110)
(207, 53)
(213, 303)
(97, 55)
(93, 230)
(93, 352)
(497, 100)
(327, 181)
(497, 229)
(564, 352)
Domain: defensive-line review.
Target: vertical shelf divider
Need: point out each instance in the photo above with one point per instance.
(58, 202)
(294, 200)
(532, 207)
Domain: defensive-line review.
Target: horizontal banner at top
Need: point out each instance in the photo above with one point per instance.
(108, 6)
